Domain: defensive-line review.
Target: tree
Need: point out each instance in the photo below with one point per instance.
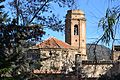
(110, 24)
(14, 37)
(13, 45)
(3, 16)
(34, 12)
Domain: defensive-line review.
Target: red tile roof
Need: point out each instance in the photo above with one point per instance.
(53, 43)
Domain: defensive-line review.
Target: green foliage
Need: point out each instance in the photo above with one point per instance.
(109, 24)
(13, 34)
(27, 25)
(4, 65)
(4, 70)
(13, 45)
(3, 16)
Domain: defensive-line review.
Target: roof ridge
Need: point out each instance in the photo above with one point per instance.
(44, 41)
(61, 41)
(54, 42)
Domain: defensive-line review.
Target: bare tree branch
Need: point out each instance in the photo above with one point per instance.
(38, 11)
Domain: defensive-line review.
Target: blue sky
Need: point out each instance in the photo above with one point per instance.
(93, 10)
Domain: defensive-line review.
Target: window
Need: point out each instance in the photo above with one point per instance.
(119, 58)
(76, 30)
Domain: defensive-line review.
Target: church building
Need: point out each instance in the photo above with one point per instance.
(57, 56)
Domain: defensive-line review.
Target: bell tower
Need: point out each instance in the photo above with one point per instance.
(75, 31)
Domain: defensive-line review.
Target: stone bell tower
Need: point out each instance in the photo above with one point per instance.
(75, 31)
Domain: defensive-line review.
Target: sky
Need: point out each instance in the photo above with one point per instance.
(94, 10)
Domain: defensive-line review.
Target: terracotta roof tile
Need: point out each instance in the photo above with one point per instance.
(53, 43)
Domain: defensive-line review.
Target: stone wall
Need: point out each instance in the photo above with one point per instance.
(96, 70)
(116, 55)
(57, 60)
(62, 61)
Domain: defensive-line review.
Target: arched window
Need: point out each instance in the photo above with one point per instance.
(75, 29)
